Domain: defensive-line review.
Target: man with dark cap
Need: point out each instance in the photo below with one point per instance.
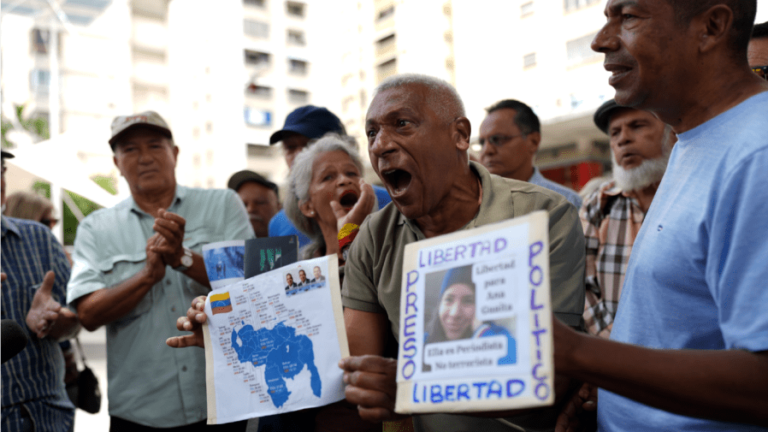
(757, 52)
(303, 126)
(260, 197)
(137, 264)
(612, 215)
(689, 347)
(34, 280)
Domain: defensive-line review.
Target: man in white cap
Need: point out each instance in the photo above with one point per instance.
(137, 265)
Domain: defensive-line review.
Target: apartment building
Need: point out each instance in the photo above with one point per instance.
(382, 38)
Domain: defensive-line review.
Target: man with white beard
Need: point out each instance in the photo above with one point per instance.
(612, 215)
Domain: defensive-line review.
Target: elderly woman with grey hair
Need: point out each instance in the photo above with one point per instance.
(327, 192)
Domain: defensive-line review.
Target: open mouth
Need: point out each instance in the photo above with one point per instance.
(398, 181)
(348, 199)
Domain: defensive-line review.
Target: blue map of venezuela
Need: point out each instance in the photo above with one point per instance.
(282, 352)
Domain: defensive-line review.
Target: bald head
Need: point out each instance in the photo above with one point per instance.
(442, 98)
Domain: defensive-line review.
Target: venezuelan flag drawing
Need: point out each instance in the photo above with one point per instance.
(220, 303)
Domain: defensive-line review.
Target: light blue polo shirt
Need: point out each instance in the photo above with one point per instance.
(568, 193)
(698, 275)
(148, 382)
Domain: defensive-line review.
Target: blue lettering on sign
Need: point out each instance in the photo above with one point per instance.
(493, 389)
(410, 349)
(536, 277)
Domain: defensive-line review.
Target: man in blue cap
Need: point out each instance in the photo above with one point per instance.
(303, 126)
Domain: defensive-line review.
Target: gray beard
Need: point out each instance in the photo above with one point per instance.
(650, 171)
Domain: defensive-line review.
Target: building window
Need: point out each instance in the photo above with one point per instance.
(210, 183)
(257, 117)
(295, 9)
(386, 70)
(447, 9)
(256, 3)
(448, 37)
(574, 5)
(257, 29)
(449, 64)
(40, 39)
(256, 58)
(209, 127)
(529, 60)
(196, 160)
(385, 45)
(385, 13)
(526, 9)
(580, 50)
(298, 96)
(209, 157)
(262, 92)
(195, 132)
(39, 79)
(297, 67)
(346, 102)
(363, 99)
(296, 37)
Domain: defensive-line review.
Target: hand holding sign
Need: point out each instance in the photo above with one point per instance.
(193, 322)
(371, 386)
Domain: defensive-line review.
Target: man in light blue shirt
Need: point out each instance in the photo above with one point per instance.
(137, 266)
(510, 136)
(689, 346)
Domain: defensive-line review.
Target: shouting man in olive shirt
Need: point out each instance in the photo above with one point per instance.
(418, 138)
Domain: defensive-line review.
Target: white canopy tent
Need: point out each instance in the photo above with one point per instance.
(67, 162)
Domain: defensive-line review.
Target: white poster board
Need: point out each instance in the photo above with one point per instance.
(476, 320)
(273, 342)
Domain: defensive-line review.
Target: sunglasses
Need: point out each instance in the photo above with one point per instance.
(761, 71)
(49, 222)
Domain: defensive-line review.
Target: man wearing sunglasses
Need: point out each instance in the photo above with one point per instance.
(757, 53)
(510, 137)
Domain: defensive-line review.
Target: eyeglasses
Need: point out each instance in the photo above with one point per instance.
(761, 71)
(498, 140)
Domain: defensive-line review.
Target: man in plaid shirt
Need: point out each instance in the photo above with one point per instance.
(612, 215)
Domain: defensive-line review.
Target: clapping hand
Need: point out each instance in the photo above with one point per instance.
(170, 227)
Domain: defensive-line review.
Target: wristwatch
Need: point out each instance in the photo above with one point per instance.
(186, 261)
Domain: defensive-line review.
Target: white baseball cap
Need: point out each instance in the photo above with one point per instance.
(148, 119)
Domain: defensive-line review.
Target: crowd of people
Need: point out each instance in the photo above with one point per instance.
(658, 278)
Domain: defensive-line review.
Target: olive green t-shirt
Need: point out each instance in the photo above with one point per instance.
(374, 270)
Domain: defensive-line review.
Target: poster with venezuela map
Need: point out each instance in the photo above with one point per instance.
(273, 342)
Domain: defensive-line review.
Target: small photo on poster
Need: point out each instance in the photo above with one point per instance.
(224, 262)
(453, 326)
(300, 280)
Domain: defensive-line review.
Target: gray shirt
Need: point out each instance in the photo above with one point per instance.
(148, 382)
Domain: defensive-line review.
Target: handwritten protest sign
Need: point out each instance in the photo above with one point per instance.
(475, 327)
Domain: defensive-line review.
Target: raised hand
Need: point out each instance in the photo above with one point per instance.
(362, 208)
(45, 311)
(170, 227)
(193, 322)
(371, 386)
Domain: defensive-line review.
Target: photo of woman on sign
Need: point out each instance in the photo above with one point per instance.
(456, 307)
(455, 318)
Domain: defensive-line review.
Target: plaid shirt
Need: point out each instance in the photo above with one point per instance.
(33, 380)
(611, 222)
